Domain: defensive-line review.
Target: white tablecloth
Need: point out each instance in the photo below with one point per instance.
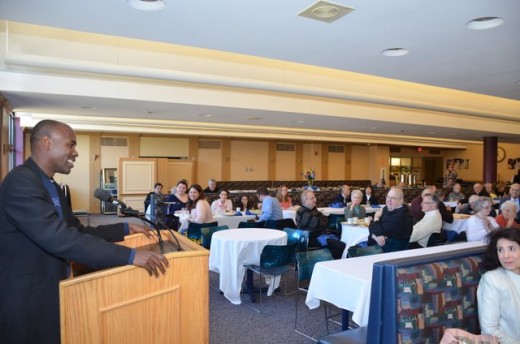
(231, 221)
(346, 283)
(231, 249)
(458, 225)
(291, 212)
(352, 235)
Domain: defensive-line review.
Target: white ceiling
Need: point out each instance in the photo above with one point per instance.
(443, 52)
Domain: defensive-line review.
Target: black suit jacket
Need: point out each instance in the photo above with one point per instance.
(35, 245)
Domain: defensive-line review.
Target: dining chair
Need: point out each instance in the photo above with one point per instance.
(299, 236)
(438, 239)
(305, 262)
(280, 224)
(207, 234)
(356, 251)
(335, 223)
(275, 260)
(194, 230)
(259, 224)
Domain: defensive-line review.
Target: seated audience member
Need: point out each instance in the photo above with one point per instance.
(429, 224)
(379, 185)
(416, 208)
(245, 203)
(456, 194)
(198, 206)
(478, 190)
(516, 178)
(480, 224)
(212, 186)
(222, 204)
(392, 226)
(283, 197)
(344, 197)
(271, 208)
(467, 208)
(498, 292)
(308, 217)
(178, 200)
(157, 190)
(490, 190)
(354, 208)
(501, 189)
(508, 211)
(369, 198)
(514, 196)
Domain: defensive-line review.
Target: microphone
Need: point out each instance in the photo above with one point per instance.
(105, 196)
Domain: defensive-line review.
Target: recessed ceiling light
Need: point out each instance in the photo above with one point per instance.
(146, 5)
(205, 115)
(373, 128)
(325, 11)
(298, 122)
(252, 118)
(394, 52)
(87, 107)
(484, 23)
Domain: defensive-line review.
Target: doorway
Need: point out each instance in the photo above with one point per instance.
(433, 170)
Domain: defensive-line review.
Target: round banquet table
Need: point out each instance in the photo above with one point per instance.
(232, 248)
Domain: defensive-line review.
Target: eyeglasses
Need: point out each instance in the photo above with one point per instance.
(392, 198)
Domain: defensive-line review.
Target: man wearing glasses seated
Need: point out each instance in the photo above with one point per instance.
(392, 226)
(429, 224)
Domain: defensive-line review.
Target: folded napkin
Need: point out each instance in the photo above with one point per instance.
(375, 206)
(238, 213)
(336, 205)
(249, 213)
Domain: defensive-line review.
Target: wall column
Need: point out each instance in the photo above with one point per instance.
(490, 159)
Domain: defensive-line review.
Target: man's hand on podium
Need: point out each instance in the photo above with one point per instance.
(151, 262)
(136, 228)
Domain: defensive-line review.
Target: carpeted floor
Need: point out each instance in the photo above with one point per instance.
(239, 324)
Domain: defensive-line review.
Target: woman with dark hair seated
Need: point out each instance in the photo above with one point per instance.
(499, 288)
(245, 203)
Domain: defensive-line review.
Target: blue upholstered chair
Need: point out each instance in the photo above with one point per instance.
(275, 260)
(207, 234)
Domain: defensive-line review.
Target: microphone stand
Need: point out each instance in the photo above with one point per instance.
(134, 213)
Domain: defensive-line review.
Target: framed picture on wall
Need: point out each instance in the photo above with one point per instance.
(513, 164)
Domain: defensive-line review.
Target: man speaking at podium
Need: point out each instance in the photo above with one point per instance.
(39, 235)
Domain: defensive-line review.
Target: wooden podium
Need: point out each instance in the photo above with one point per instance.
(126, 305)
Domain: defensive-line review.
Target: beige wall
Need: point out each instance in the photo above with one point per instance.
(209, 166)
(285, 165)
(475, 154)
(336, 168)
(360, 162)
(249, 160)
(311, 159)
(78, 179)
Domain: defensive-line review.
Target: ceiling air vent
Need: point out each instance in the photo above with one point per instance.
(210, 144)
(325, 11)
(336, 149)
(114, 141)
(285, 147)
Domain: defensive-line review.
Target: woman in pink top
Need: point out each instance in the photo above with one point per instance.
(283, 196)
(198, 206)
